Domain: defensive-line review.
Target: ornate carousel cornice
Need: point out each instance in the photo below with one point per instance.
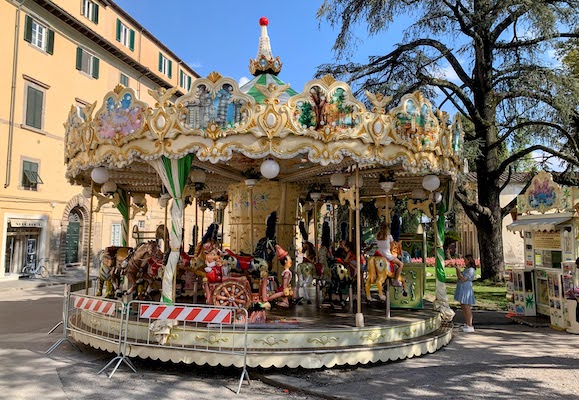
(214, 121)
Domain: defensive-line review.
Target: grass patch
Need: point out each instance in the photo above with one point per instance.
(488, 295)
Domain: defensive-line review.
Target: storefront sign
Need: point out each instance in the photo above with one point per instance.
(547, 240)
(27, 223)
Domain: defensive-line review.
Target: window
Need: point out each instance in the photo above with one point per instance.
(90, 10)
(125, 35)
(116, 235)
(87, 63)
(141, 224)
(30, 177)
(34, 107)
(38, 35)
(184, 80)
(165, 65)
(124, 80)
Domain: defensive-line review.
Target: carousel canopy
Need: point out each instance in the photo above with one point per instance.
(230, 131)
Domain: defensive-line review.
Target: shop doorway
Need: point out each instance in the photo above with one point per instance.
(21, 248)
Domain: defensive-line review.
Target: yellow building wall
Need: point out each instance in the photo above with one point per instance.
(63, 85)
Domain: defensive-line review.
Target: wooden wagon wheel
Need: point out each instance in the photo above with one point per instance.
(231, 294)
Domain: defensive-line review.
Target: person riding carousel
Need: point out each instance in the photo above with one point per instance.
(385, 241)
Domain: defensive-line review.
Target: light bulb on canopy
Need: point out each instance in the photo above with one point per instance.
(431, 183)
(269, 168)
(337, 180)
(100, 175)
(109, 187)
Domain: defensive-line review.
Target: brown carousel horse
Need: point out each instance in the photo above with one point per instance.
(111, 259)
(138, 266)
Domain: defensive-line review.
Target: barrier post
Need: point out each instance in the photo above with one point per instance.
(64, 323)
(122, 347)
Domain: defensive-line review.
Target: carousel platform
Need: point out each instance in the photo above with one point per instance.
(304, 336)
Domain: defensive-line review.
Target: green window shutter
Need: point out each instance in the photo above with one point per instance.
(50, 42)
(78, 58)
(28, 29)
(160, 62)
(132, 40)
(34, 108)
(169, 73)
(118, 30)
(95, 13)
(95, 67)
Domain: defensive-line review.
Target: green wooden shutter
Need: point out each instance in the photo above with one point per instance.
(118, 30)
(34, 99)
(132, 40)
(50, 42)
(160, 62)
(95, 13)
(169, 73)
(78, 58)
(28, 29)
(95, 67)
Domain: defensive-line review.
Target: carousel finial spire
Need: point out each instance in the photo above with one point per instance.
(264, 63)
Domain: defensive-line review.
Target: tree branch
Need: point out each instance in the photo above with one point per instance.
(514, 157)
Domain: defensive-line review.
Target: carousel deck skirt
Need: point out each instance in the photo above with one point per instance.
(303, 336)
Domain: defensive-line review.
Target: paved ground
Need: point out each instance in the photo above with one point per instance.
(501, 360)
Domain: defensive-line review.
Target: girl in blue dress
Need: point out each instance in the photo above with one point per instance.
(464, 293)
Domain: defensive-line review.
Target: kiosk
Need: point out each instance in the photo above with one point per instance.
(548, 223)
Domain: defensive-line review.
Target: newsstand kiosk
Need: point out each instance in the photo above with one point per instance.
(547, 220)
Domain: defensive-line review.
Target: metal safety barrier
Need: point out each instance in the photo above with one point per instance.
(128, 326)
(189, 327)
(95, 317)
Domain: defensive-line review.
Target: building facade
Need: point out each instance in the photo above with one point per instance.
(56, 54)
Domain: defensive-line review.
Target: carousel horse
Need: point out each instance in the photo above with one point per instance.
(136, 266)
(265, 247)
(341, 280)
(307, 270)
(109, 271)
(380, 270)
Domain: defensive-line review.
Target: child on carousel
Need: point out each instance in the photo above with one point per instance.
(384, 242)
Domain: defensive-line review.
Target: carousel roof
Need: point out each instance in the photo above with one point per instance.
(231, 130)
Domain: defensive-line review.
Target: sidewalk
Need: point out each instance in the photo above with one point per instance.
(70, 276)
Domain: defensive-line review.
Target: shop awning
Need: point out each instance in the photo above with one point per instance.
(538, 224)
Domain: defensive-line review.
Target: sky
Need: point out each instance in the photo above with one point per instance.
(222, 35)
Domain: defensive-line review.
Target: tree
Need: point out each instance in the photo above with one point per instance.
(505, 86)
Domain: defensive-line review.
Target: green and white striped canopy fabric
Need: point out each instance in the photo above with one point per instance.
(264, 80)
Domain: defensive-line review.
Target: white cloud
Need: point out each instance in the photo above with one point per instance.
(194, 64)
(450, 74)
(243, 80)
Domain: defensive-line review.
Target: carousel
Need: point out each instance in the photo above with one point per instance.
(267, 150)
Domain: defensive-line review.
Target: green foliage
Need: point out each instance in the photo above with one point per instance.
(307, 117)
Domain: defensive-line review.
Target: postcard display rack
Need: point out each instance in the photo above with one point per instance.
(570, 281)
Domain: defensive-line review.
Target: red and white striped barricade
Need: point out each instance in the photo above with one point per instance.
(194, 328)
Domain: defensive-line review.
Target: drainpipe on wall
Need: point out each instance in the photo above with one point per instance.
(13, 95)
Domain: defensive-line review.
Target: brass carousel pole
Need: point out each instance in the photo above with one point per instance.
(251, 217)
(87, 277)
(359, 315)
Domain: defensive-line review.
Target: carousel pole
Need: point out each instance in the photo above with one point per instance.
(315, 197)
(251, 217)
(87, 276)
(165, 232)
(359, 315)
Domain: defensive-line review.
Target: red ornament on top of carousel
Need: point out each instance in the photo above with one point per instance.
(263, 21)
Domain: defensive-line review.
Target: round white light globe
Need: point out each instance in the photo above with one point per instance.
(337, 180)
(109, 187)
(198, 176)
(139, 199)
(100, 175)
(430, 183)
(86, 192)
(269, 169)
